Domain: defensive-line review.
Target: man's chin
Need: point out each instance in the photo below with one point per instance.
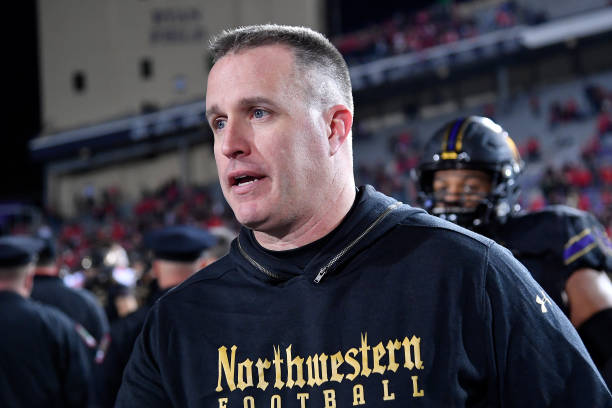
(254, 225)
(251, 221)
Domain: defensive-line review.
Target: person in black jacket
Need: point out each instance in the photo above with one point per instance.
(177, 251)
(468, 174)
(43, 361)
(334, 295)
(80, 305)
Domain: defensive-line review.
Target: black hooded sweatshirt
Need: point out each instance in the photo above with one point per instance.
(394, 308)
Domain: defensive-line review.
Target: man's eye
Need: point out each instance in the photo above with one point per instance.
(439, 187)
(440, 193)
(259, 113)
(219, 124)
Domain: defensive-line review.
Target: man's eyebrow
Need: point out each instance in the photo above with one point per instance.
(212, 111)
(255, 100)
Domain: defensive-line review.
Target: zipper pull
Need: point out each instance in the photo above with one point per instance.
(320, 275)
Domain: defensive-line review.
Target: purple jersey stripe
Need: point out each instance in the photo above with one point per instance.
(578, 246)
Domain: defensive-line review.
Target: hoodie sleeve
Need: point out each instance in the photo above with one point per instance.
(538, 355)
(142, 384)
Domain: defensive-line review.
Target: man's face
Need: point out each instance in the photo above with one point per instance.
(464, 188)
(270, 140)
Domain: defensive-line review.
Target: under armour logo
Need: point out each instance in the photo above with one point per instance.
(542, 302)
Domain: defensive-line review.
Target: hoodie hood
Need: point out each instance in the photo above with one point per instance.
(373, 215)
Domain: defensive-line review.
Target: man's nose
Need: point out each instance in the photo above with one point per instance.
(236, 140)
(453, 195)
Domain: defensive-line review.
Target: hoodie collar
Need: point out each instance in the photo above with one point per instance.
(372, 215)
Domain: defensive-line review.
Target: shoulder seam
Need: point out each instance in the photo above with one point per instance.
(483, 241)
(190, 282)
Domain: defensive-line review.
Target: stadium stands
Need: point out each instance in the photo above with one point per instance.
(561, 146)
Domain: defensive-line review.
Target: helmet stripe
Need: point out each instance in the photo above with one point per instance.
(445, 138)
(464, 125)
(453, 136)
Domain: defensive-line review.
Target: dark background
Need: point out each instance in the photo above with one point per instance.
(21, 179)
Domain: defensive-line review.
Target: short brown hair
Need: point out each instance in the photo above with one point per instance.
(311, 49)
(9, 274)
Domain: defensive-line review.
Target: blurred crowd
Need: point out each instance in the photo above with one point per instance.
(436, 25)
(101, 247)
(105, 219)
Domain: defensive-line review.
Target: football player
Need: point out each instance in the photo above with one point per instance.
(468, 175)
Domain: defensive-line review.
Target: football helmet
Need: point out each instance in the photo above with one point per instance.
(474, 143)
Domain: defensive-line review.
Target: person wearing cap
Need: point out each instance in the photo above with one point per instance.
(43, 360)
(79, 304)
(177, 251)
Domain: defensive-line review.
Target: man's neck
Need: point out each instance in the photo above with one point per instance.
(46, 271)
(327, 217)
(171, 274)
(14, 287)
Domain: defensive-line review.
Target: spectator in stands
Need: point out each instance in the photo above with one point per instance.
(489, 110)
(533, 149)
(595, 95)
(578, 176)
(605, 174)
(604, 119)
(571, 110)
(534, 105)
(555, 115)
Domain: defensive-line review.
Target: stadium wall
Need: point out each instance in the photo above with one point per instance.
(105, 59)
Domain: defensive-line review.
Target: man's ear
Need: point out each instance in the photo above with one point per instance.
(28, 281)
(340, 122)
(155, 269)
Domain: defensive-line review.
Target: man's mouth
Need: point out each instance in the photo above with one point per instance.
(244, 180)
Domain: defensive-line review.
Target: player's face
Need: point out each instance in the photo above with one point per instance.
(270, 142)
(465, 188)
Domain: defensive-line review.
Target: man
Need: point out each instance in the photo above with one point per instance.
(80, 305)
(177, 251)
(468, 174)
(43, 362)
(333, 296)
